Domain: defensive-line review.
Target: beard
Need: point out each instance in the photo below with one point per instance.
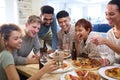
(46, 25)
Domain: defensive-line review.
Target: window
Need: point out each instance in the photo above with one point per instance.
(2, 11)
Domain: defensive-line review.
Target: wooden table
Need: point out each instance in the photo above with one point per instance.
(29, 71)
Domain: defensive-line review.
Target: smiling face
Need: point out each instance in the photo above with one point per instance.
(81, 33)
(47, 19)
(32, 29)
(14, 41)
(112, 14)
(82, 29)
(64, 23)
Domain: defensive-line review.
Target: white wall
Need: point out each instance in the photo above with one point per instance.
(36, 4)
(75, 9)
(11, 11)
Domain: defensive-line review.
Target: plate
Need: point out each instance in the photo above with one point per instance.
(102, 72)
(71, 72)
(60, 70)
(52, 55)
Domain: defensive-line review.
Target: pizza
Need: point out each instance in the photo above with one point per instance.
(71, 77)
(87, 75)
(66, 54)
(65, 66)
(62, 65)
(113, 72)
(87, 63)
(53, 55)
(83, 75)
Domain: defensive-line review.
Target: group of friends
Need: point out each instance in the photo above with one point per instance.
(16, 44)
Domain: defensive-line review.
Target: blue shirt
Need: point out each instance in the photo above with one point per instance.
(44, 30)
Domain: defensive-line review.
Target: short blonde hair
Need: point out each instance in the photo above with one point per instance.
(33, 19)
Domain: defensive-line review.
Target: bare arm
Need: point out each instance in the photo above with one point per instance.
(100, 40)
(32, 60)
(113, 46)
(11, 72)
(50, 66)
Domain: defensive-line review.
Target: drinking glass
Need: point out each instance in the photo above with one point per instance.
(59, 56)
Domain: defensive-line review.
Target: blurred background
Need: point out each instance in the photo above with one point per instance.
(16, 11)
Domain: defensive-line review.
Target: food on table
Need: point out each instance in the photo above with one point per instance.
(66, 55)
(65, 66)
(113, 72)
(58, 63)
(87, 63)
(83, 75)
(71, 77)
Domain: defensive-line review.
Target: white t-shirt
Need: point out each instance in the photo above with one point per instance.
(111, 37)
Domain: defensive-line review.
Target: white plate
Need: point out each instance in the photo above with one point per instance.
(71, 72)
(60, 70)
(51, 55)
(102, 72)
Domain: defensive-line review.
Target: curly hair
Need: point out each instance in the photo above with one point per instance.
(5, 31)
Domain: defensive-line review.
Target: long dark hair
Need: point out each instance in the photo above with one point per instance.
(115, 2)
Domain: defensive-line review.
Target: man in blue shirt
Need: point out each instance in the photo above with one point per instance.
(48, 30)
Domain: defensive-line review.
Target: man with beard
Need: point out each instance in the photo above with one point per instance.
(48, 30)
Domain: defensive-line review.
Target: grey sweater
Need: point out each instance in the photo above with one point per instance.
(28, 44)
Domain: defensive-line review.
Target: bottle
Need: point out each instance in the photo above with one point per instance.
(44, 47)
(41, 53)
(40, 64)
(44, 56)
(74, 52)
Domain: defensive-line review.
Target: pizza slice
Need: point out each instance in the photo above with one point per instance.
(87, 63)
(71, 77)
(92, 76)
(87, 75)
(65, 66)
(113, 72)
